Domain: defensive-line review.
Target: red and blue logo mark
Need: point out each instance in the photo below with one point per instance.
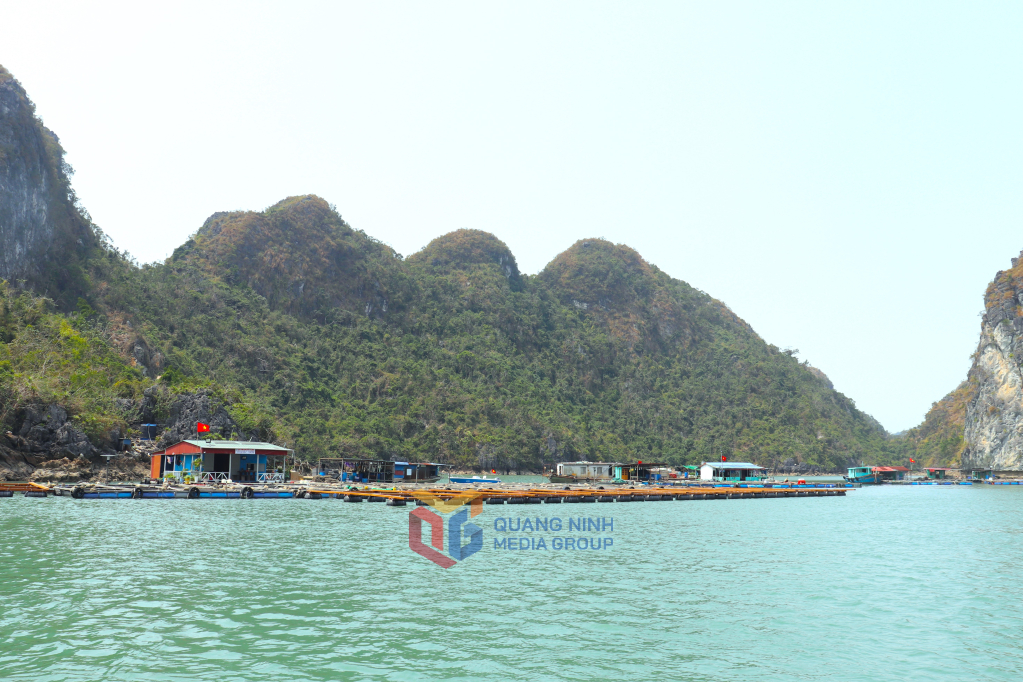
(463, 538)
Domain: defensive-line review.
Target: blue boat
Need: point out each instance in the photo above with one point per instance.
(474, 479)
(862, 475)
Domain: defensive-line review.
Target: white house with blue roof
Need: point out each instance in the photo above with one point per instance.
(731, 471)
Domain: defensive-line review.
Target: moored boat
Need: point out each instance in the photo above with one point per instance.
(876, 474)
(862, 475)
(474, 479)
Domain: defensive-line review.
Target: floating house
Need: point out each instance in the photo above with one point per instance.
(731, 471)
(985, 474)
(567, 472)
(890, 473)
(210, 461)
(938, 472)
(378, 470)
(640, 471)
(416, 472)
(663, 473)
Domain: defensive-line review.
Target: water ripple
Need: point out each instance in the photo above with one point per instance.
(884, 584)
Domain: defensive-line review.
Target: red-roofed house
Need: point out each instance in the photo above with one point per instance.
(218, 460)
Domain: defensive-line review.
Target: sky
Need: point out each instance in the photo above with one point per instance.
(845, 176)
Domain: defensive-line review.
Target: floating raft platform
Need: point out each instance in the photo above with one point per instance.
(169, 492)
(937, 482)
(26, 489)
(403, 496)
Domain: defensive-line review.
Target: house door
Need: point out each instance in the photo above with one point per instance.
(222, 462)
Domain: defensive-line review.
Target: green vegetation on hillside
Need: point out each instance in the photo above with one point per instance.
(50, 358)
(453, 355)
(939, 440)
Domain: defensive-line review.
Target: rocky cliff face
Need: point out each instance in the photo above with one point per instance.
(994, 415)
(43, 235)
(41, 432)
(24, 183)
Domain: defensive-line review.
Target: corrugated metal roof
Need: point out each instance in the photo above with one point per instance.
(235, 445)
(732, 465)
(890, 469)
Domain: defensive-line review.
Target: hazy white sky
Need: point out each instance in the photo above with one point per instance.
(846, 176)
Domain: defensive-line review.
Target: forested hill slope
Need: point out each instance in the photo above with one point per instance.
(302, 258)
(310, 333)
(328, 340)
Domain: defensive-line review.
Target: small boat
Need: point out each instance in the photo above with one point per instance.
(862, 475)
(474, 479)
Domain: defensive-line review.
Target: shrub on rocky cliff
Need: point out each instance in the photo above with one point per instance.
(48, 358)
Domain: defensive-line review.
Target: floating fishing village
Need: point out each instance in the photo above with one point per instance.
(218, 469)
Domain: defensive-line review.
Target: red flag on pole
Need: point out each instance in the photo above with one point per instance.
(202, 428)
(724, 458)
(912, 460)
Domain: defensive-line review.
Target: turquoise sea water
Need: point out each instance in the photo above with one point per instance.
(890, 583)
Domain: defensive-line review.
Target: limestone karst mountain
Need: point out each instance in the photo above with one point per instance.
(993, 392)
(307, 331)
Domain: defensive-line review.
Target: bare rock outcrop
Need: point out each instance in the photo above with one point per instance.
(15, 465)
(190, 408)
(62, 470)
(47, 429)
(130, 466)
(43, 433)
